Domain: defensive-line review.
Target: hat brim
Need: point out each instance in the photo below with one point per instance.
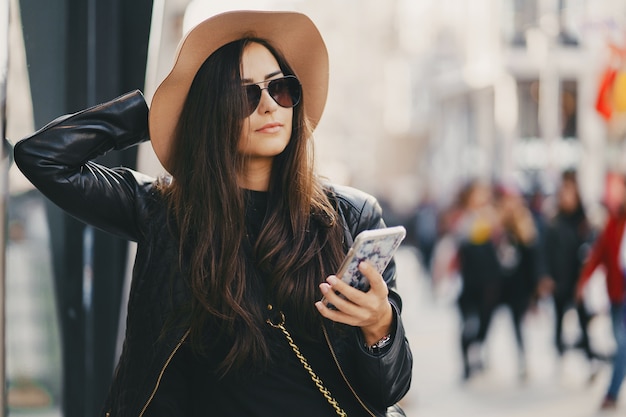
(292, 33)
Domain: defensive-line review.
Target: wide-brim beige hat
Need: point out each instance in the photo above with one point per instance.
(292, 33)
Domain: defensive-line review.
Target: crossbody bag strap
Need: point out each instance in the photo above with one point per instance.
(305, 364)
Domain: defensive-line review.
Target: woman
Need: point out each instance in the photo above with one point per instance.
(478, 266)
(567, 239)
(238, 245)
(516, 246)
(606, 254)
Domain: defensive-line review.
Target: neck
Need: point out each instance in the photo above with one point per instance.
(256, 174)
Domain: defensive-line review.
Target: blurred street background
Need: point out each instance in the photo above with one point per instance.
(554, 386)
(465, 118)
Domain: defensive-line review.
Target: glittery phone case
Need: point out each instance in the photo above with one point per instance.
(376, 246)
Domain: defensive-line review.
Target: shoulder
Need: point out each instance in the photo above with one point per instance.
(358, 209)
(352, 198)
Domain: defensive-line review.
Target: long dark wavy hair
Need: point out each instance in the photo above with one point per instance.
(301, 238)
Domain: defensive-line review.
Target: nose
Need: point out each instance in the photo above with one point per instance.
(266, 103)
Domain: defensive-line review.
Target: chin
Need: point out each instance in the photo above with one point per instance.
(269, 151)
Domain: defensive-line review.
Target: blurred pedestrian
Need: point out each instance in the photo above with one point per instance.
(239, 242)
(516, 246)
(605, 253)
(479, 270)
(568, 237)
(424, 229)
(536, 202)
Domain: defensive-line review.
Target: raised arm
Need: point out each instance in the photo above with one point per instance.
(58, 160)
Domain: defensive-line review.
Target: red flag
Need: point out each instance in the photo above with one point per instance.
(604, 102)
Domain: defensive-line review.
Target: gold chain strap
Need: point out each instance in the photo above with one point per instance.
(316, 380)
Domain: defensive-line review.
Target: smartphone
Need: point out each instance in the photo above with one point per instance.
(376, 246)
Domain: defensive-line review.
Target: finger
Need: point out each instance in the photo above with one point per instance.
(338, 300)
(338, 284)
(336, 315)
(377, 283)
(342, 287)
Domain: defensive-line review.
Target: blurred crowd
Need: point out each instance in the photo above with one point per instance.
(513, 250)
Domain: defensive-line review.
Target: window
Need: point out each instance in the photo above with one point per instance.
(519, 15)
(569, 105)
(528, 96)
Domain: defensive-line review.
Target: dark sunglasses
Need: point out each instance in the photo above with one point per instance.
(285, 91)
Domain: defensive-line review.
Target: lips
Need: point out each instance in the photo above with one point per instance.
(270, 127)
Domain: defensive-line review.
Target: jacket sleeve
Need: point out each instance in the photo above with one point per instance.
(390, 372)
(383, 379)
(595, 258)
(58, 160)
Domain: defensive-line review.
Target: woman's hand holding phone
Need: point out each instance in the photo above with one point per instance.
(369, 310)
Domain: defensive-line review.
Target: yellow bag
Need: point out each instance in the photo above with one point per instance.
(619, 92)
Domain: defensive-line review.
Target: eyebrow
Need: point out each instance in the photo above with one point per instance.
(267, 77)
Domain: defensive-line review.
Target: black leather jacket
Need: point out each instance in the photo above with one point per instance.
(58, 160)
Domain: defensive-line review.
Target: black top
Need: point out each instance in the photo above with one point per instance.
(284, 388)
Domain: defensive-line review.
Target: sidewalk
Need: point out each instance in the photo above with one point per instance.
(553, 388)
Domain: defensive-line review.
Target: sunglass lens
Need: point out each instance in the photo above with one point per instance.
(253, 93)
(285, 91)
